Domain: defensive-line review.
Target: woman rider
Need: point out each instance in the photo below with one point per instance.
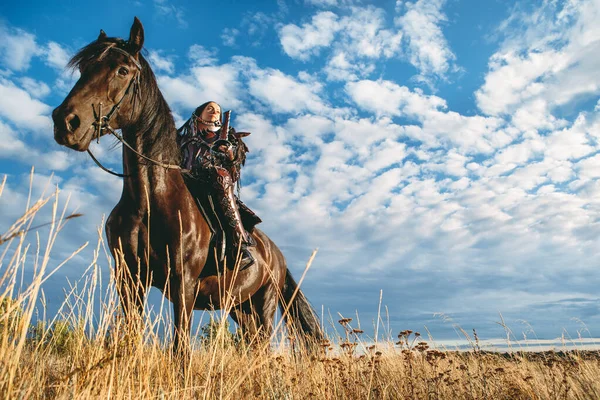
(215, 163)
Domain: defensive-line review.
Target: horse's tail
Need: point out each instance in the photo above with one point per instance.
(300, 315)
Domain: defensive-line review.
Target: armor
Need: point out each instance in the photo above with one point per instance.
(219, 172)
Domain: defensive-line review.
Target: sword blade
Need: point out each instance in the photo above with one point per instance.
(225, 128)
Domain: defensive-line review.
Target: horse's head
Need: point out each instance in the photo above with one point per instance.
(104, 95)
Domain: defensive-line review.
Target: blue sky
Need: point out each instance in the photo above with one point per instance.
(442, 151)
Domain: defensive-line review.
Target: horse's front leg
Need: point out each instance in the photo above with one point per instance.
(183, 307)
(132, 283)
(127, 239)
(188, 259)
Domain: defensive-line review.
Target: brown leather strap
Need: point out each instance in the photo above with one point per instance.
(104, 168)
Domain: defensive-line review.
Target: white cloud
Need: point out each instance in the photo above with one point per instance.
(429, 50)
(37, 89)
(56, 56)
(589, 168)
(267, 146)
(571, 143)
(363, 33)
(321, 3)
(219, 83)
(548, 56)
(303, 42)
(388, 98)
(263, 89)
(180, 91)
(53, 160)
(356, 41)
(17, 106)
(14, 147)
(333, 3)
(472, 134)
(284, 94)
(360, 134)
(384, 155)
(160, 63)
(438, 127)
(512, 79)
(229, 36)
(534, 115)
(454, 164)
(373, 199)
(520, 153)
(339, 68)
(310, 129)
(107, 187)
(17, 48)
(201, 56)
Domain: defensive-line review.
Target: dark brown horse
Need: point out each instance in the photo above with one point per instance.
(156, 232)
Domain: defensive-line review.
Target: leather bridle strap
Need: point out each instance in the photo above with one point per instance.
(160, 164)
(120, 138)
(104, 168)
(102, 122)
(132, 58)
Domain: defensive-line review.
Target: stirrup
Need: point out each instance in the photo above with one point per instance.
(245, 258)
(251, 242)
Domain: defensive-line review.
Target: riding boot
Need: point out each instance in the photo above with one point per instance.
(241, 238)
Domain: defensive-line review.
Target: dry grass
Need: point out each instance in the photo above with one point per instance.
(90, 352)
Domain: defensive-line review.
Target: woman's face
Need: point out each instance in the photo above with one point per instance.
(211, 113)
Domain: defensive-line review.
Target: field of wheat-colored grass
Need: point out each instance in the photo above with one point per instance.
(89, 351)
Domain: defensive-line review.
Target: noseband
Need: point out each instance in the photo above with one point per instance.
(102, 122)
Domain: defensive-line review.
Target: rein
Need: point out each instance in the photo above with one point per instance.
(102, 122)
(104, 168)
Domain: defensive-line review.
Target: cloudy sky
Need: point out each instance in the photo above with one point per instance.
(445, 152)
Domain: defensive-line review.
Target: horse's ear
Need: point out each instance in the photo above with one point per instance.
(136, 36)
(101, 36)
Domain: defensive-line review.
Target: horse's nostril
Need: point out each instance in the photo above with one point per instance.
(72, 122)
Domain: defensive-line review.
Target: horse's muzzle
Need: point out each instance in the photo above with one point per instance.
(65, 129)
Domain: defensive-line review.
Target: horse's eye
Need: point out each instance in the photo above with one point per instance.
(123, 71)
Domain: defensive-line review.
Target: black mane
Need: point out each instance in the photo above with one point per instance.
(155, 123)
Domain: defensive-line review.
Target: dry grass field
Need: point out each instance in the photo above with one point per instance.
(89, 351)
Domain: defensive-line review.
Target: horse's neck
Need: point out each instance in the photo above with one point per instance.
(145, 180)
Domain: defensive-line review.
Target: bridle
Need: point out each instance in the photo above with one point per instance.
(102, 122)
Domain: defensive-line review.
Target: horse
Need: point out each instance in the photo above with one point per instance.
(156, 232)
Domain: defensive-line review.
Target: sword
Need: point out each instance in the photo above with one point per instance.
(223, 138)
(225, 128)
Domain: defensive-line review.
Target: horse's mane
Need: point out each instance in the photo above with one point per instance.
(155, 122)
